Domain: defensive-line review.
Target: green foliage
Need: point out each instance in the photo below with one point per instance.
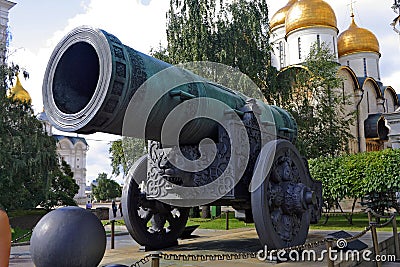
(63, 188)
(219, 223)
(27, 156)
(233, 33)
(340, 222)
(125, 152)
(358, 175)
(106, 188)
(29, 168)
(18, 232)
(317, 105)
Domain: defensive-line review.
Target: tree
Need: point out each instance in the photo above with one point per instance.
(27, 155)
(358, 176)
(232, 33)
(318, 105)
(63, 187)
(106, 188)
(30, 173)
(125, 152)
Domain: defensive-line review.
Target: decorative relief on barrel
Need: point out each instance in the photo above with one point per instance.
(98, 122)
(120, 69)
(138, 75)
(111, 105)
(111, 37)
(118, 52)
(118, 88)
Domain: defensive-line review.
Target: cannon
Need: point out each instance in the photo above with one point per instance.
(207, 144)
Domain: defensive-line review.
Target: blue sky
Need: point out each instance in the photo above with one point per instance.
(37, 26)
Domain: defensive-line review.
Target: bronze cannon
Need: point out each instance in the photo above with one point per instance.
(207, 144)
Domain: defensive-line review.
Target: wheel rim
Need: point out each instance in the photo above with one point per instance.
(151, 223)
(283, 199)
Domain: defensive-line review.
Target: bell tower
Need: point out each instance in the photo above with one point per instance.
(5, 7)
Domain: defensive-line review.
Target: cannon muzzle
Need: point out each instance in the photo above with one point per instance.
(91, 78)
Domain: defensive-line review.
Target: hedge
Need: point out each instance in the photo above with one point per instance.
(356, 176)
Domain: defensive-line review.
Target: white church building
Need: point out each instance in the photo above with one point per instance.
(302, 23)
(72, 150)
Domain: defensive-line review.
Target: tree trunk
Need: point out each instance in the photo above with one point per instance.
(205, 212)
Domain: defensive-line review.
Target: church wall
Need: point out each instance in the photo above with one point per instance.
(370, 99)
(356, 63)
(390, 101)
(371, 104)
(308, 37)
(278, 58)
(5, 6)
(80, 170)
(393, 122)
(351, 92)
(75, 156)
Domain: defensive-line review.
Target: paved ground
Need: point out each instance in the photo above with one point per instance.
(205, 242)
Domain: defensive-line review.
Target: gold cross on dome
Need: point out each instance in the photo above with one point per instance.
(352, 2)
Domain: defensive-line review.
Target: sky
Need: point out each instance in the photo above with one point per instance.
(37, 26)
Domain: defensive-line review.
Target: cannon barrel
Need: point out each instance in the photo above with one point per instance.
(91, 77)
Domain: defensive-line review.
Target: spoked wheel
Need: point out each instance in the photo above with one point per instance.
(150, 222)
(282, 203)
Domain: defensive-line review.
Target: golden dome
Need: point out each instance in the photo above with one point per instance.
(19, 93)
(310, 13)
(356, 40)
(278, 18)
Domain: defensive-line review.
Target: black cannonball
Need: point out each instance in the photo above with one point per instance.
(68, 237)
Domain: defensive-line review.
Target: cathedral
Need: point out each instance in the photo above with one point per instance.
(302, 23)
(72, 150)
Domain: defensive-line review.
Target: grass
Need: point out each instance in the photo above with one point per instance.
(339, 222)
(219, 223)
(18, 232)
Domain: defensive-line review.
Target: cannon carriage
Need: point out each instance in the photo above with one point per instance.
(207, 144)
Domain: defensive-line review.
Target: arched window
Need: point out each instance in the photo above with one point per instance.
(365, 67)
(299, 46)
(334, 45)
(281, 54)
(377, 67)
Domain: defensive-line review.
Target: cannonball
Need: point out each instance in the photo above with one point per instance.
(68, 237)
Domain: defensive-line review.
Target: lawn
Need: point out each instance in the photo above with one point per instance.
(219, 223)
(338, 222)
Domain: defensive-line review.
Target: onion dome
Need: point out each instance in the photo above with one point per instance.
(18, 92)
(356, 40)
(310, 13)
(278, 18)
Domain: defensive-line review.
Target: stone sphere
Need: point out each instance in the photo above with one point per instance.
(68, 237)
